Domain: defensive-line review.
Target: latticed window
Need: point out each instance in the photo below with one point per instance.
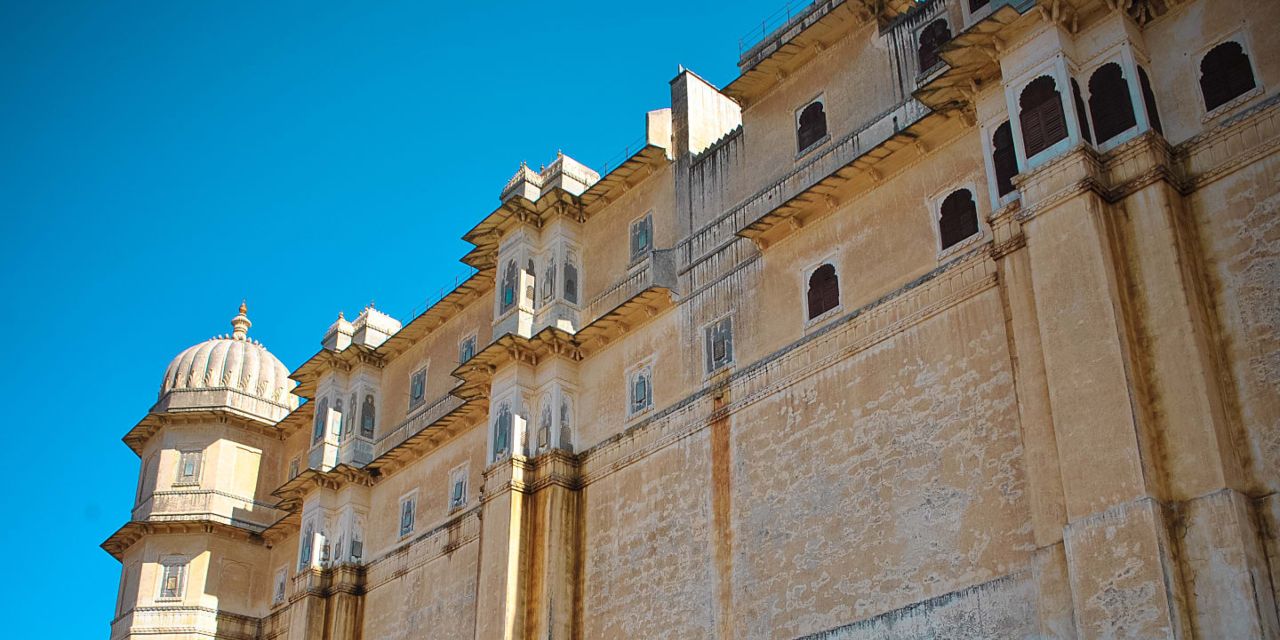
(368, 415)
(509, 286)
(322, 414)
(467, 350)
(1225, 74)
(958, 219)
(641, 392)
(172, 574)
(1004, 158)
(719, 344)
(407, 507)
(641, 236)
(824, 290)
(1043, 121)
(811, 125)
(1149, 99)
(418, 388)
(502, 432)
(189, 467)
(1109, 102)
(932, 37)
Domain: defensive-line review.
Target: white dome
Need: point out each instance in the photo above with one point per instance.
(224, 369)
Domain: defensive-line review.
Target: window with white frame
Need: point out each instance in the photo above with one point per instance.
(188, 467)
(322, 414)
(502, 432)
(718, 338)
(566, 424)
(368, 416)
(306, 544)
(641, 236)
(467, 349)
(640, 390)
(173, 576)
(408, 511)
(544, 424)
(418, 388)
(458, 487)
(281, 584)
(571, 279)
(357, 547)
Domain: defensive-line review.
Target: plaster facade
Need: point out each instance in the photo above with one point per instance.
(635, 420)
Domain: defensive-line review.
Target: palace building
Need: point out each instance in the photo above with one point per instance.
(945, 319)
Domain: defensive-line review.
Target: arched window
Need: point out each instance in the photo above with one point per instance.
(932, 38)
(824, 290)
(1081, 118)
(570, 282)
(322, 414)
(508, 286)
(337, 426)
(530, 291)
(1043, 122)
(958, 219)
(1225, 74)
(308, 542)
(811, 125)
(1003, 158)
(566, 425)
(502, 432)
(1109, 102)
(544, 425)
(367, 417)
(641, 393)
(549, 283)
(1149, 99)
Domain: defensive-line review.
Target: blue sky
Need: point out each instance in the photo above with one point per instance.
(159, 161)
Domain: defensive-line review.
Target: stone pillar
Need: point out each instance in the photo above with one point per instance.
(500, 606)
(554, 542)
(346, 603)
(307, 607)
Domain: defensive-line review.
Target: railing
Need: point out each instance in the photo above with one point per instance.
(415, 423)
(621, 157)
(657, 269)
(435, 299)
(194, 503)
(793, 11)
(357, 450)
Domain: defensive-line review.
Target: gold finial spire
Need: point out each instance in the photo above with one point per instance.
(240, 324)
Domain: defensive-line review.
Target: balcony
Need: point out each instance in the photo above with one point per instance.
(655, 272)
(193, 503)
(415, 423)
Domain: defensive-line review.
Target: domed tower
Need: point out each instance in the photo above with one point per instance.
(194, 563)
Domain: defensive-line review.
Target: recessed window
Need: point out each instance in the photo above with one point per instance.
(570, 281)
(932, 37)
(281, 583)
(1081, 118)
(1004, 158)
(337, 418)
(823, 293)
(566, 425)
(173, 574)
(1225, 74)
(640, 391)
(811, 125)
(1043, 122)
(544, 425)
(974, 5)
(718, 338)
(467, 349)
(322, 414)
(189, 467)
(958, 219)
(1109, 102)
(641, 236)
(508, 290)
(408, 508)
(357, 548)
(368, 415)
(294, 467)
(458, 488)
(306, 545)
(502, 432)
(549, 283)
(1149, 99)
(418, 388)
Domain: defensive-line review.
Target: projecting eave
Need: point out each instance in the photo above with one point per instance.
(802, 38)
(293, 492)
(516, 211)
(477, 372)
(296, 419)
(437, 314)
(622, 319)
(137, 437)
(128, 535)
(650, 159)
(309, 372)
(973, 59)
(425, 440)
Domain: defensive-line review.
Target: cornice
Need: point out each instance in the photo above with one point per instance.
(125, 537)
(137, 437)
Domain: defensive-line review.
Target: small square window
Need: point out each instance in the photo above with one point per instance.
(408, 506)
(467, 350)
(172, 576)
(189, 467)
(641, 236)
(719, 344)
(418, 388)
(640, 391)
(458, 488)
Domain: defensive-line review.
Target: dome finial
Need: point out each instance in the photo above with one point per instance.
(240, 324)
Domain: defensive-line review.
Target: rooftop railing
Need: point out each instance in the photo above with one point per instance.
(783, 17)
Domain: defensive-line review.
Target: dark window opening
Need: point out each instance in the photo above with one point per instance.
(1043, 122)
(932, 38)
(959, 218)
(1149, 99)
(1225, 74)
(570, 283)
(1109, 102)
(1081, 118)
(824, 291)
(1004, 158)
(367, 417)
(974, 5)
(508, 286)
(812, 126)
